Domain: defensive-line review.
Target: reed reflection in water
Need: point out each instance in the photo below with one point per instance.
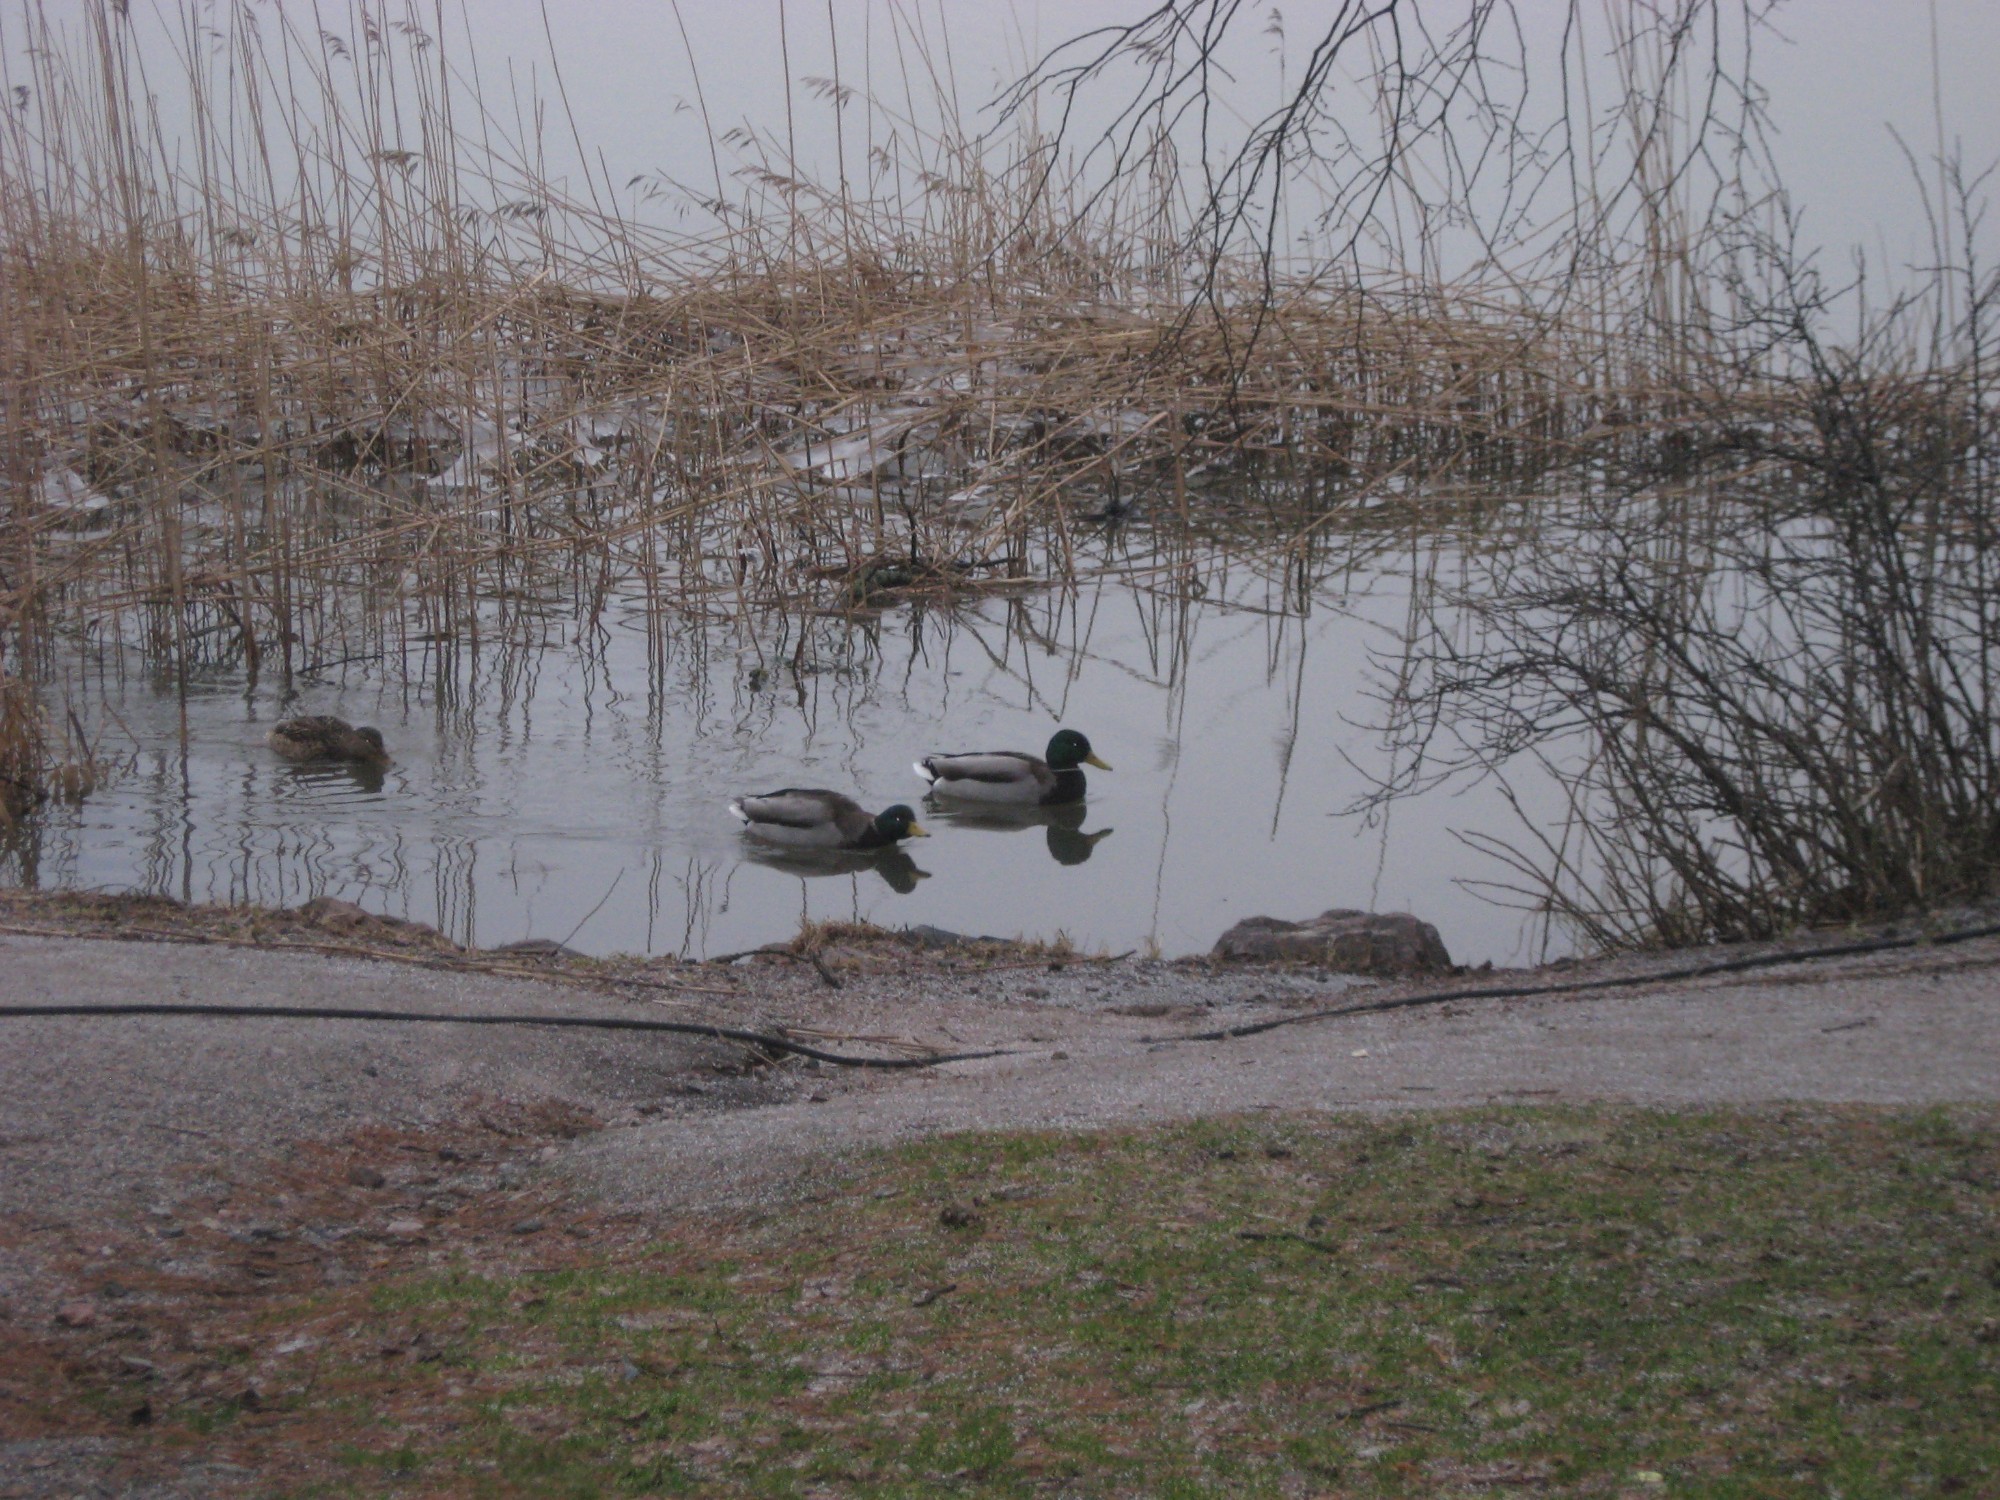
(570, 782)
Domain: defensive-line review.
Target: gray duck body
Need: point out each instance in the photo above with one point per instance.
(814, 818)
(1014, 778)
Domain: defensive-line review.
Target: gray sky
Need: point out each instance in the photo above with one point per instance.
(1839, 74)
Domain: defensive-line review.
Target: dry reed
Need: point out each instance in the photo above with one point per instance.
(357, 381)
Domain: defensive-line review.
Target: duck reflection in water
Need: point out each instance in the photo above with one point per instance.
(891, 863)
(335, 775)
(1063, 824)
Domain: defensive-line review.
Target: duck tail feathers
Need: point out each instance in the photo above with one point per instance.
(925, 769)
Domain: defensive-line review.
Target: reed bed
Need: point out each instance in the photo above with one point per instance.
(357, 379)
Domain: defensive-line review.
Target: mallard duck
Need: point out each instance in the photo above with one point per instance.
(1014, 776)
(809, 818)
(323, 737)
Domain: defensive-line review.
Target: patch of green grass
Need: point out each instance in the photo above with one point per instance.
(1580, 1300)
(401, 1461)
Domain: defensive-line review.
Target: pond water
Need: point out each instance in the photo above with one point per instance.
(576, 787)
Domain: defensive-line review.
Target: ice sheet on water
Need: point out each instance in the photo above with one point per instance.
(864, 444)
(1108, 426)
(63, 490)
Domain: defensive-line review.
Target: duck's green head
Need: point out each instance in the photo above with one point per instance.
(1069, 750)
(899, 822)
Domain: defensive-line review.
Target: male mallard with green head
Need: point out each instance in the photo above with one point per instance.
(323, 737)
(811, 818)
(1013, 776)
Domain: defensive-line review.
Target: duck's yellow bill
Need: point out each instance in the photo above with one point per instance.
(1092, 760)
(918, 831)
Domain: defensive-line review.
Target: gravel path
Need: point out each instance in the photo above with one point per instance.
(1911, 1028)
(115, 1114)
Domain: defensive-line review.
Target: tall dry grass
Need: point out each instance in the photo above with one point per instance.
(328, 371)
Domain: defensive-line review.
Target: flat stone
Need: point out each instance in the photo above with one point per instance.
(923, 935)
(1353, 942)
(537, 948)
(334, 914)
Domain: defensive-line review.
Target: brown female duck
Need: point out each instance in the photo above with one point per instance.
(324, 737)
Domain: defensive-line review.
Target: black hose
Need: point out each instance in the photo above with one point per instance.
(1620, 982)
(591, 1023)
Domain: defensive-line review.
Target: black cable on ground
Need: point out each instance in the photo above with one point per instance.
(1619, 982)
(1221, 1034)
(588, 1023)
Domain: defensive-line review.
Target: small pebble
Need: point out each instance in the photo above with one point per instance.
(77, 1312)
(364, 1176)
(528, 1226)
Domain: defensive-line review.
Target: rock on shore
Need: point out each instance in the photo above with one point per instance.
(1354, 942)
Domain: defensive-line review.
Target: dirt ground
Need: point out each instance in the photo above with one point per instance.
(143, 1154)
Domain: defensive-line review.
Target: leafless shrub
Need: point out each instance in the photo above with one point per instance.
(1762, 658)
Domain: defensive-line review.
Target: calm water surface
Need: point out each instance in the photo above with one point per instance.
(577, 788)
